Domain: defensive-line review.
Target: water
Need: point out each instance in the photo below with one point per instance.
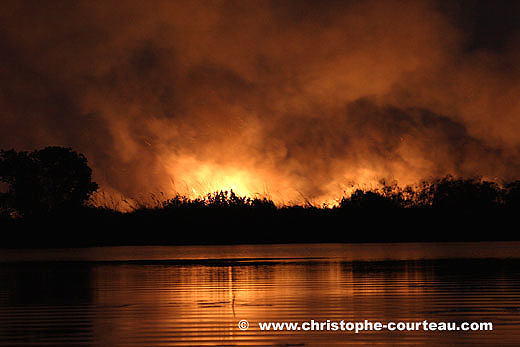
(195, 296)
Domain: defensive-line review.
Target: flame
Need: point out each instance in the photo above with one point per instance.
(194, 177)
(198, 178)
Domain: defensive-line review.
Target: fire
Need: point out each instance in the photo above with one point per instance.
(194, 178)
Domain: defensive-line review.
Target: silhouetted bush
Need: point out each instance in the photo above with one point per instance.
(368, 200)
(219, 199)
(512, 195)
(468, 194)
(46, 181)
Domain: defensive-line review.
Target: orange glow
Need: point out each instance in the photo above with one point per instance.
(199, 178)
(296, 101)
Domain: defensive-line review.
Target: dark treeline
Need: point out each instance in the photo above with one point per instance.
(46, 205)
(446, 193)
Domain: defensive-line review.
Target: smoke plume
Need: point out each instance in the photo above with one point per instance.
(287, 99)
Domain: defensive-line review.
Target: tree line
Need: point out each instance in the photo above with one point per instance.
(57, 180)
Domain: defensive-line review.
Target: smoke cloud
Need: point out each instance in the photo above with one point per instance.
(287, 99)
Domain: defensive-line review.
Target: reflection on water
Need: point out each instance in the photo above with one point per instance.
(194, 296)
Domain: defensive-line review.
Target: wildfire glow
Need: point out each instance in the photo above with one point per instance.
(199, 178)
(296, 101)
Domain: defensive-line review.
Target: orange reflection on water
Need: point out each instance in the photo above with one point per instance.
(186, 296)
(201, 304)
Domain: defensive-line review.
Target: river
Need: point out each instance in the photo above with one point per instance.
(197, 295)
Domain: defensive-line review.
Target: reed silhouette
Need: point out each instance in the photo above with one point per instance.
(50, 188)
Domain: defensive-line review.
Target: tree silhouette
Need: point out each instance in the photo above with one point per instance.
(458, 193)
(46, 181)
(361, 199)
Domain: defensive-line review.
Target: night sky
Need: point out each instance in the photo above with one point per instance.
(288, 99)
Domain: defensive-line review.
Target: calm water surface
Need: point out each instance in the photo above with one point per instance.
(195, 296)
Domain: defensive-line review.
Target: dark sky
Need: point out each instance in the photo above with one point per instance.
(288, 99)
